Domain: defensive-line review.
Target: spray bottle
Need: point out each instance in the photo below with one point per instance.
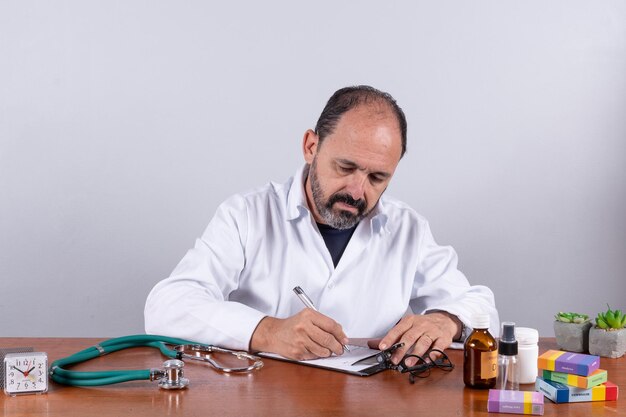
(508, 370)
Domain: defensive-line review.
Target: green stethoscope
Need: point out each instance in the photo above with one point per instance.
(169, 377)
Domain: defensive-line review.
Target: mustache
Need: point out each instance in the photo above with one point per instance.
(359, 204)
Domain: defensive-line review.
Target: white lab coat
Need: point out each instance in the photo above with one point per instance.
(263, 243)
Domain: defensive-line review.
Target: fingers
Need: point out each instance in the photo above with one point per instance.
(306, 335)
(439, 344)
(328, 325)
(410, 334)
(423, 343)
(327, 332)
(419, 333)
(394, 334)
(323, 344)
(415, 342)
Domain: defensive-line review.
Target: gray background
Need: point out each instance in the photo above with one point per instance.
(124, 124)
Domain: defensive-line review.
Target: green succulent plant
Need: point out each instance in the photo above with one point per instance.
(611, 319)
(571, 317)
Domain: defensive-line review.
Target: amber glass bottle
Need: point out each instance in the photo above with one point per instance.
(480, 356)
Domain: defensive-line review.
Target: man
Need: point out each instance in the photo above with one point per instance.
(363, 258)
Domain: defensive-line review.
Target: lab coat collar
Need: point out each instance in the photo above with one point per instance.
(297, 206)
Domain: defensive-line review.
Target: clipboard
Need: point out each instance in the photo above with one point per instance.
(360, 361)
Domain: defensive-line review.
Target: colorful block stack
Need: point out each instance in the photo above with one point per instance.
(573, 377)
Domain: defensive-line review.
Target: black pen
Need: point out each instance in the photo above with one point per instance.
(307, 302)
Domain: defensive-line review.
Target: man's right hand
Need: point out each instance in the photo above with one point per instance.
(306, 335)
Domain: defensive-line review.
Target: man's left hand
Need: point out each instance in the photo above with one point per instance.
(421, 333)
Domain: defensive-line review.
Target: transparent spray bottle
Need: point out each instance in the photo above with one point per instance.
(508, 369)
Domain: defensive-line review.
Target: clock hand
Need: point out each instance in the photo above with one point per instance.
(29, 371)
(18, 369)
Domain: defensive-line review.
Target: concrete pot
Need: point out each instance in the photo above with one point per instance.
(573, 337)
(607, 343)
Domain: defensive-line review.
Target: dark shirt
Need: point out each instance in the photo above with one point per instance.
(336, 240)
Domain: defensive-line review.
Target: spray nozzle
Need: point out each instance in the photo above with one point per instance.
(508, 332)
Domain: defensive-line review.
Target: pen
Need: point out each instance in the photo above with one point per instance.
(307, 302)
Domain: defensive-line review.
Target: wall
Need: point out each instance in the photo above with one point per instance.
(124, 124)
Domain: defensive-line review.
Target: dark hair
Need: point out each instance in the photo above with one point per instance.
(350, 97)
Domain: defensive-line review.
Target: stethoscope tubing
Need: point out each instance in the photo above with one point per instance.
(81, 378)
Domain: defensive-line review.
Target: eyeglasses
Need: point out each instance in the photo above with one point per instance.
(433, 358)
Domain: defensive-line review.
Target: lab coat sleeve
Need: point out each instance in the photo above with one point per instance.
(439, 285)
(193, 302)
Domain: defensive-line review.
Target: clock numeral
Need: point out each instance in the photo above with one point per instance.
(18, 385)
(12, 373)
(26, 385)
(12, 382)
(40, 380)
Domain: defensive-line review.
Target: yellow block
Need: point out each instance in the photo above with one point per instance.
(573, 380)
(598, 393)
(548, 359)
(528, 402)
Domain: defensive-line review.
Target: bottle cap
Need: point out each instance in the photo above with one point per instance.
(480, 321)
(508, 344)
(526, 336)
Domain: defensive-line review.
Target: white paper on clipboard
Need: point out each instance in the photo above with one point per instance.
(352, 362)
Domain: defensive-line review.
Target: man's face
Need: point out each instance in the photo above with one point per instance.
(352, 168)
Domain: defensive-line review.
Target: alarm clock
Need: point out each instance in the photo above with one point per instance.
(25, 373)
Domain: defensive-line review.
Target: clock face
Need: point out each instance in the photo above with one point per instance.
(25, 373)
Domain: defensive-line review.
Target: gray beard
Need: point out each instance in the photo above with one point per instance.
(340, 219)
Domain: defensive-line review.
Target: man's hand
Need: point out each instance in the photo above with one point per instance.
(307, 335)
(422, 332)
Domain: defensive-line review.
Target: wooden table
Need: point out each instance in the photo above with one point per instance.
(278, 389)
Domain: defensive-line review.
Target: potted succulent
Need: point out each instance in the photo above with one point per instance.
(608, 337)
(572, 331)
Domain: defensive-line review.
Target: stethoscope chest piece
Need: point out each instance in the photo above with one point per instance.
(173, 375)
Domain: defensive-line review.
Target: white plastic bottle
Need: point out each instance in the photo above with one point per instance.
(527, 353)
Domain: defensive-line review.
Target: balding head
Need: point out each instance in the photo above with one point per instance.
(348, 98)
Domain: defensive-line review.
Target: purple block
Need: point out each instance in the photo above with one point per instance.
(515, 402)
(577, 363)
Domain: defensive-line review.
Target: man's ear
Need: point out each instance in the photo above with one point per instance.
(310, 144)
